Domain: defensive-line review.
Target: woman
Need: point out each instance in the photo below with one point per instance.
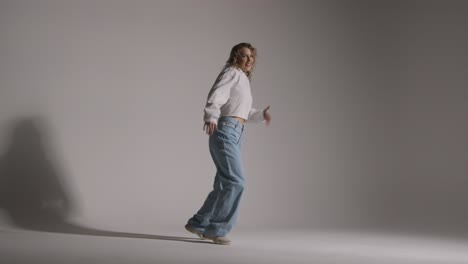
(228, 107)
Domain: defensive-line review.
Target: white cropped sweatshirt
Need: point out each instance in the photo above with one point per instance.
(231, 96)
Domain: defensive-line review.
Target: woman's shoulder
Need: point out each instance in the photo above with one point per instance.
(232, 70)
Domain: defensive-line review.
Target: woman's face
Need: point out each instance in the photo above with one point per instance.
(246, 59)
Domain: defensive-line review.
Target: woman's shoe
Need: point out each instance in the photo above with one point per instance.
(219, 240)
(194, 231)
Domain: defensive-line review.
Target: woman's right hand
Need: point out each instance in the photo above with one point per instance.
(210, 127)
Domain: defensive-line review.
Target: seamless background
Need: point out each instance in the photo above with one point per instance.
(101, 112)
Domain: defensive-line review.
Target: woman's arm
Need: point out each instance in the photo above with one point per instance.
(257, 116)
(217, 97)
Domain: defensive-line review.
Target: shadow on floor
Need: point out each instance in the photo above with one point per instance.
(33, 192)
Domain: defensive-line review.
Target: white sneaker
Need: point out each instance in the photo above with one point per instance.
(219, 240)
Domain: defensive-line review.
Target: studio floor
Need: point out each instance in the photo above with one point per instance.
(254, 246)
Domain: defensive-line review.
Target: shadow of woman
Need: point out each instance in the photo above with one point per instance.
(34, 195)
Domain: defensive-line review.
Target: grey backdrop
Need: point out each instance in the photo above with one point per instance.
(368, 100)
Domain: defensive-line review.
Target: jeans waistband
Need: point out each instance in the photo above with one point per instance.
(231, 120)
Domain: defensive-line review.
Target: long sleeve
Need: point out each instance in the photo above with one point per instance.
(219, 95)
(255, 116)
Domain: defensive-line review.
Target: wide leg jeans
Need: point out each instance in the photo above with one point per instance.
(219, 212)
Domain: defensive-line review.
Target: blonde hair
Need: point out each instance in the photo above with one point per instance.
(235, 55)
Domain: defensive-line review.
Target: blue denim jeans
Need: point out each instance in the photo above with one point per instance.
(219, 212)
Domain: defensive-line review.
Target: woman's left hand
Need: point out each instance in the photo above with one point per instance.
(267, 116)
